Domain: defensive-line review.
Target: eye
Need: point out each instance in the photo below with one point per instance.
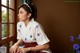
(21, 12)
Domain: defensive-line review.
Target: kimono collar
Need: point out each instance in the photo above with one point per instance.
(32, 19)
(30, 22)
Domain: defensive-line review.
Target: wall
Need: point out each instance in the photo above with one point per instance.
(60, 20)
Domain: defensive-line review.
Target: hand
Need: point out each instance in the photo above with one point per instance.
(13, 49)
(22, 50)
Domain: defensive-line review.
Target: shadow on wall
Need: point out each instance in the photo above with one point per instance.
(49, 22)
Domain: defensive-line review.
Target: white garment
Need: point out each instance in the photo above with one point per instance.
(32, 33)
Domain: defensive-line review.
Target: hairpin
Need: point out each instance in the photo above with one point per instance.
(28, 6)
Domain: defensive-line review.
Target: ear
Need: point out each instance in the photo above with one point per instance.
(29, 15)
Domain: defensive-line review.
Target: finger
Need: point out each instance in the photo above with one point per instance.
(21, 51)
(14, 51)
(18, 50)
(11, 51)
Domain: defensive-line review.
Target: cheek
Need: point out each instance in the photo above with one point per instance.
(24, 15)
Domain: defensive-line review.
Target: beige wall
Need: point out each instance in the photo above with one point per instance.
(60, 20)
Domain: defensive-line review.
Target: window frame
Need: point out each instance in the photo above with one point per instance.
(11, 38)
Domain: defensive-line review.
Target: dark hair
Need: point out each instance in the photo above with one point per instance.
(30, 9)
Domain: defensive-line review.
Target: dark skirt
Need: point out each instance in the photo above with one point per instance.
(33, 44)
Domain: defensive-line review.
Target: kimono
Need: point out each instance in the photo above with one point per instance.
(32, 35)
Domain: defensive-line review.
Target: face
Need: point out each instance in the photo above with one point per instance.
(23, 15)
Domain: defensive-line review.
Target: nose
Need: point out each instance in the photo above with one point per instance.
(18, 15)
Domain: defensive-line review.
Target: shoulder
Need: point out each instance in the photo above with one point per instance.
(35, 24)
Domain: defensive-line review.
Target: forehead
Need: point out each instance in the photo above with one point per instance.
(22, 9)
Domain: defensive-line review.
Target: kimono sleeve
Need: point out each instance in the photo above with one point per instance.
(40, 36)
(18, 31)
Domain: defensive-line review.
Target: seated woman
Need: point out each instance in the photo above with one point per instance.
(30, 33)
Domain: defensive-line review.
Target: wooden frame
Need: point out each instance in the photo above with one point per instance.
(0, 21)
(11, 38)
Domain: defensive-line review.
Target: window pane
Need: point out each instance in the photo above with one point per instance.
(4, 15)
(3, 49)
(11, 29)
(4, 30)
(11, 4)
(11, 16)
(4, 2)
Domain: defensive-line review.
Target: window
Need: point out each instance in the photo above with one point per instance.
(7, 18)
(7, 22)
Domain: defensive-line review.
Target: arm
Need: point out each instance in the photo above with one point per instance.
(14, 48)
(41, 39)
(18, 42)
(39, 47)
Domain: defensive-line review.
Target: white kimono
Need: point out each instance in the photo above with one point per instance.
(32, 33)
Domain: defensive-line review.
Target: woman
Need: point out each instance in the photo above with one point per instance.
(30, 33)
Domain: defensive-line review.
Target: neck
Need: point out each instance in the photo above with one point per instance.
(26, 22)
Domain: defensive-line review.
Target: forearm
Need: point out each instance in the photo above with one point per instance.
(18, 42)
(39, 47)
